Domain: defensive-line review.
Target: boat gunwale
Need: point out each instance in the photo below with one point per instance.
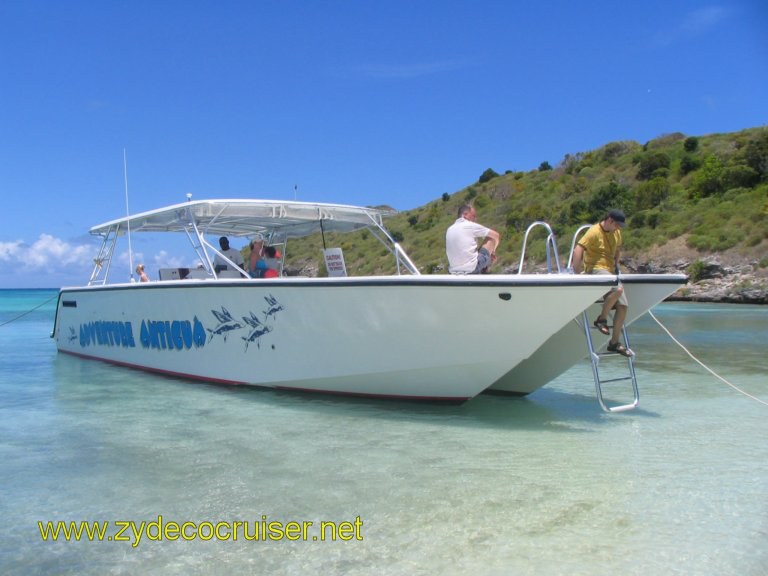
(434, 281)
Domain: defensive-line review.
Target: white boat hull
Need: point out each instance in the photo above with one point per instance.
(568, 346)
(426, 337)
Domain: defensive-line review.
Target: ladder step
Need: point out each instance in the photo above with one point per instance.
(616, 379)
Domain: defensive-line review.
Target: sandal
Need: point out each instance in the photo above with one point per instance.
(602, 325)
(619, 348)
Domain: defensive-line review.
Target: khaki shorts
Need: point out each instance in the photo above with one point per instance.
(623, 298)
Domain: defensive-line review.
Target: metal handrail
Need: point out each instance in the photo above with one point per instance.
(573, 244)
(551, 247)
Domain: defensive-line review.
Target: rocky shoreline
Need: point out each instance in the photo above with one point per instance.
(734, 283)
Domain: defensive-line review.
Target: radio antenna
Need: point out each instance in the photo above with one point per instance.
(128, 214)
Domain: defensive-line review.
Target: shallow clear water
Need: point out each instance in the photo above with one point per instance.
(548, 484)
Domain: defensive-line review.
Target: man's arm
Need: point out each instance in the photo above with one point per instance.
(578, 256)
(491, 242)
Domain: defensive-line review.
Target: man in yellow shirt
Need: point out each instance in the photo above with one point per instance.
(598, 252)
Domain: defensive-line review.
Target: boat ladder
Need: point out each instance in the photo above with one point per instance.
(596, 357)
(553, 265)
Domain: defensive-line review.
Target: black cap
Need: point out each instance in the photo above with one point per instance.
(617, 216)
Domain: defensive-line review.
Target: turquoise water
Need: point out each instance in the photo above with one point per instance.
(548, 484)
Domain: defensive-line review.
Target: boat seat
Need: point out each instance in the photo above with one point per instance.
(198, 274)
(229, 274)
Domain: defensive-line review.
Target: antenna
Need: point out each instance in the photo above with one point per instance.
(295, 191)
(128, 214)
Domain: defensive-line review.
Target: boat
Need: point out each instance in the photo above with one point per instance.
(404, 334)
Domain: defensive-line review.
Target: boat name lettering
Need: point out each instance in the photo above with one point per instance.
(172, 334)
(107, 333)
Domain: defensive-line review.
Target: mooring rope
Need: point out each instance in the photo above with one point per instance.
(700, 363)
(29, 311)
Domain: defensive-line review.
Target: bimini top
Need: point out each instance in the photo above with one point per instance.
(243, 218)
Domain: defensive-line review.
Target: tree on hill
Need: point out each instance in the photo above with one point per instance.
(487, 176)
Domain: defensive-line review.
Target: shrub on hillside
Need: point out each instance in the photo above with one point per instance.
(691, 144)
(650, 194)
(578, 212)
(688, 164)
(709, 179)
(696, 270)
(481, 201)
(740, 176)
(650, 163)
(756, 154)
(714, 241)
(614, 150)
(611, 195)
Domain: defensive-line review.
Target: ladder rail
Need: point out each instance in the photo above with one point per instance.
(595, 361)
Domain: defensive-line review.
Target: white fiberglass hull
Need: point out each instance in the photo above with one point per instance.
(568, 346)
(427, 337)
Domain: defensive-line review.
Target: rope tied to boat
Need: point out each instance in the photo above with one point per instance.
(29, 311)
(707, 368)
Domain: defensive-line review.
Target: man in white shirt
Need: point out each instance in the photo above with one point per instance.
(464, 256)
(220, 264)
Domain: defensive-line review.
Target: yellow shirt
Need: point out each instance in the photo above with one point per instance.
(600, 249)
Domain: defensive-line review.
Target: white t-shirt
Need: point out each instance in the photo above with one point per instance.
(232, 254)
(461, 245)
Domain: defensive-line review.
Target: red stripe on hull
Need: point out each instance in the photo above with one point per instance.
(441, 399)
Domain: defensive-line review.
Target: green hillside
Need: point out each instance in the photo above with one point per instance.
(706, 193)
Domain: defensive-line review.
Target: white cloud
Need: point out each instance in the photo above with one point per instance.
(51, 261)
(163, 260)
(9, 250)
(47, 253)
(124, 259)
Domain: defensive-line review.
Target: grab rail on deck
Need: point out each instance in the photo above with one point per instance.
(573, 244)
(551, 247)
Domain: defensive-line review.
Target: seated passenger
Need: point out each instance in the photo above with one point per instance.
(257, 251)
(267, 265)
(272, 258)
(142, 274)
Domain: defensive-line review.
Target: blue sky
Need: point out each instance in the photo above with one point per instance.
(370, 102)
